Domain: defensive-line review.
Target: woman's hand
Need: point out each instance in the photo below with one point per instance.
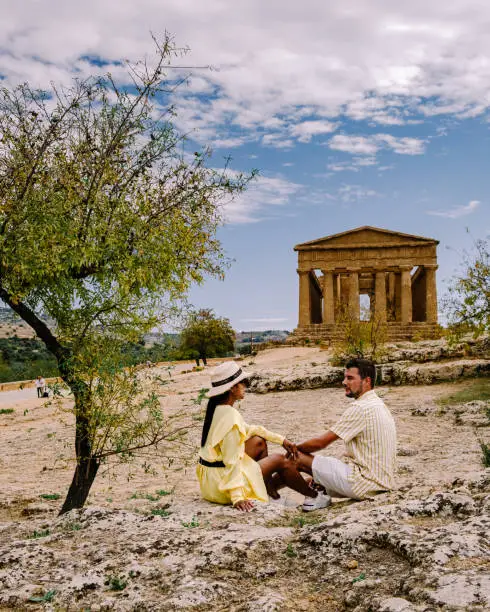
(291, 449)
(244, 505)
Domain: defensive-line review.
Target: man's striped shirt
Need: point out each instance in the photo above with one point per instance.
(368, 431)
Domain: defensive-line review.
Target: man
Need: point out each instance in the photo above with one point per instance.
(40, 384)
(368, 431)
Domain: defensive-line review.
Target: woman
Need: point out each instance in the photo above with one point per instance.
(234, 466)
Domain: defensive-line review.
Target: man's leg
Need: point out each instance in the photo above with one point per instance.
(329, 472)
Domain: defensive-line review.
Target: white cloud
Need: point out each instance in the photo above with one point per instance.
(307, 129)
(355, 193)
(228, 143)
(457, 211)
(387, 64)
(277, 140)
(255, 204)
(354, 165)
(266, 320)
(359, 145)
(370, 145)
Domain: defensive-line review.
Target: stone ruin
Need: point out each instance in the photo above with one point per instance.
(392, 274)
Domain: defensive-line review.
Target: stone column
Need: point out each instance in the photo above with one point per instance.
(304, 298)
(406, 295)
(380, 296)
(431, 293)
(354, 310)
(328, 298)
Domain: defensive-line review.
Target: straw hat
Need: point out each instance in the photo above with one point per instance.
(225, 376)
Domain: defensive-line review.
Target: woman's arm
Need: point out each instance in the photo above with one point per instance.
(270, 436)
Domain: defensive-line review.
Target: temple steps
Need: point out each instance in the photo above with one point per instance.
(395, 331)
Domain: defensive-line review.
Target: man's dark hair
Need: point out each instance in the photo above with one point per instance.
(366, 368)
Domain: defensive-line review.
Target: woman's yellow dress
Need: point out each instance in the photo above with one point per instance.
(241, 478)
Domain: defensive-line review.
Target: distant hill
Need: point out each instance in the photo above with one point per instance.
(268, 335)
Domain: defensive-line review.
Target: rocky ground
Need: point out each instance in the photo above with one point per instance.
(146, 541)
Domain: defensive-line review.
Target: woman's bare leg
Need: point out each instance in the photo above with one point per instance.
(256, 447)
(288, 473)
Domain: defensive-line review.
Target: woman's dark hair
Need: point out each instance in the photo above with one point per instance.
(210, 408)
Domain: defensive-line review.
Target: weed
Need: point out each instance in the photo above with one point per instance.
(301, 521)
(192, 524)
(200, 396)
(47, 597)
(485, 449)
(39, 534)
(109, 499)
(359, 578)
(163, 492)
(116, 583)
(290, 552)
(150, 497)
(477, 389)
(26, 412)
(160, 512)
(50, 496)
(73, 526)
(7, 411)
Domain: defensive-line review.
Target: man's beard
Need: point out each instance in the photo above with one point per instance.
(352, 394)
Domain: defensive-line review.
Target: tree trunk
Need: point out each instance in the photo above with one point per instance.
(87, 464)
(81, 484)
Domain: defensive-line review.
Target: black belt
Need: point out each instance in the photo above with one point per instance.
(211, 464)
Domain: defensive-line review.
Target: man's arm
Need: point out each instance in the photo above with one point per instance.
(315, 444)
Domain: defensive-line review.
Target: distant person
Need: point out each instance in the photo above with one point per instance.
(40, 386)
(234, 465)
(368, 431)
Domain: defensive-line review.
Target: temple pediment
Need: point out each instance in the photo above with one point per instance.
(363, 237)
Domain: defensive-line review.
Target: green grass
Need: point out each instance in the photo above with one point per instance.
(50, 496)
(116, 583)
(302, 520)
(476, 389)
(73, 526)
(485, 449)
(191, 524)
(160, 512)
(47, 597)
(150, 496)
(39, 534)
(6, 410)
(290, 552)
(163, 492)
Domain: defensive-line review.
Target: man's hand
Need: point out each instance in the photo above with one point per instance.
(315, 444)
(291, 449)
(244, 505)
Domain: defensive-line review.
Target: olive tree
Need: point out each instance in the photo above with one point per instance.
(467, 303)
(206, 335)
(105, 221)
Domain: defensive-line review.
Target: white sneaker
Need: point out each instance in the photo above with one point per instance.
(322, 500)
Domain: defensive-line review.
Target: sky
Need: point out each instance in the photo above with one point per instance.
(355, 113)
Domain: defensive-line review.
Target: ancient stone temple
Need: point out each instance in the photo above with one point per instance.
(368, 272)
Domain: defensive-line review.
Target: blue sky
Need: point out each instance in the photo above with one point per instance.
(355, 113)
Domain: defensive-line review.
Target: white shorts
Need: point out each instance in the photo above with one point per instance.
(333, 474)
